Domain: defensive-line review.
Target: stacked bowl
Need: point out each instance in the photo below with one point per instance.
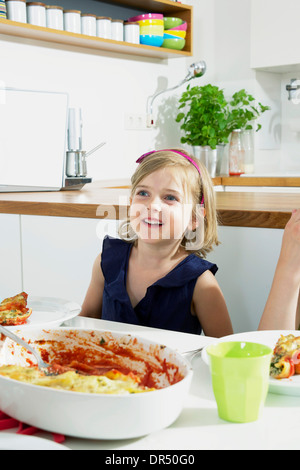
(151, 28)
(174, 33)
(2, 9)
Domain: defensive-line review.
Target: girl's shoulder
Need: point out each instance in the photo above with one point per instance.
(194, 264)
(111, 243)
(115, 253)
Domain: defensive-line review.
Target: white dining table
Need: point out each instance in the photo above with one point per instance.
(198, 427)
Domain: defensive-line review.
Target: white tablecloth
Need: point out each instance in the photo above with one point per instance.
(199, 427)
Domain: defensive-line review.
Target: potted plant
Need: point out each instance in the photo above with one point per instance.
(206, 122)
(209, 121)
(243, 112)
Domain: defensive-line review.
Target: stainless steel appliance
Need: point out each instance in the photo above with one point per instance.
(76, 164)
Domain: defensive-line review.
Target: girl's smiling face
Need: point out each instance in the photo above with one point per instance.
(159, 208)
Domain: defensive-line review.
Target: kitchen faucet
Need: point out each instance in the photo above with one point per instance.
(291, 88)
(195, 70)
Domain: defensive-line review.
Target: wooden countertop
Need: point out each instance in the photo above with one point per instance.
(241, 209)
(263, 210)
(267, 181)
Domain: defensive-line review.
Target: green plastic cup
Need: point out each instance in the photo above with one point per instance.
(240, 378)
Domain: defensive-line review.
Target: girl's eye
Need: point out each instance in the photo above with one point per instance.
(170, 197)
(142, 192)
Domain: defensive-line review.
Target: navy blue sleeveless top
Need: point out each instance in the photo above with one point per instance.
(167, 303)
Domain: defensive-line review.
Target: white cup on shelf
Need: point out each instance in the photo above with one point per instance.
(55, 17)
(16, 10)
(104, 27)
(36, 13)
(132, 32)
(72, 21)
(88, 24)
(117, 30)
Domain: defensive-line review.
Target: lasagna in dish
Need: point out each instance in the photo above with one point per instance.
(111, 382)
(90, 362)
(14, 311)
(286, 357)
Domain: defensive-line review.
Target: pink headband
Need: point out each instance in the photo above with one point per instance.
(139, 160)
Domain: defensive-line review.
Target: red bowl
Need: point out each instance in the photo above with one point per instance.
(181, 27)
(147, 16)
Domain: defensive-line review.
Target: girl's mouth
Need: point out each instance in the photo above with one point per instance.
(153, 222)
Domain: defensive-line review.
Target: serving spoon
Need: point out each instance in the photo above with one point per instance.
(43, 366)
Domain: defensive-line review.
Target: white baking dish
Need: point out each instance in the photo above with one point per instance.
(88, 415)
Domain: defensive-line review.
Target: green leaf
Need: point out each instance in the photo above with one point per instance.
(209, 118)
(180, 117)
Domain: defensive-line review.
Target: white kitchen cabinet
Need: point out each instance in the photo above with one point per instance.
(275, 35)
(247, 259)
(10, 255)
(58, 254)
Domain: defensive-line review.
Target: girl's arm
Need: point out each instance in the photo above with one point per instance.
(282, 309)
(298, 313)
(210, 307)
(92, 305)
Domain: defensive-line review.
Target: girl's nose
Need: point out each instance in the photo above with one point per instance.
(155, 204)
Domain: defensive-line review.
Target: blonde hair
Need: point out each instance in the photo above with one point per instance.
(196, 186)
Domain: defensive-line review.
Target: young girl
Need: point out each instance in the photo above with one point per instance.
(159, 278)
(156, 275)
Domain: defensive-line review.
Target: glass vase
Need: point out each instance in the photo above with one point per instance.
(208, 157)
(247, 137)
(236, 154)
(222, 160)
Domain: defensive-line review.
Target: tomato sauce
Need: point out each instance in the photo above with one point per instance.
(110, 355)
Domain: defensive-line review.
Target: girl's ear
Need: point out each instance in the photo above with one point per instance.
(194, 221)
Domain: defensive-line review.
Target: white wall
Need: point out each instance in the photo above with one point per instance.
(10, 255)
(277, 144)
(231, 20)
(247, 259)
(223, 39)
(106, 86)
(109, 86)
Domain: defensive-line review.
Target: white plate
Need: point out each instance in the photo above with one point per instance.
(10, 441)
(289, 386)
(50, 312)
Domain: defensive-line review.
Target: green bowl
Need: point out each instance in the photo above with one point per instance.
(172, 22)
(174, 43)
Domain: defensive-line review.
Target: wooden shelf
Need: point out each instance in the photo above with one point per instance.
(65, 38)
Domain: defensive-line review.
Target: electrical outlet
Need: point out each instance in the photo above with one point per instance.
(136, 122)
